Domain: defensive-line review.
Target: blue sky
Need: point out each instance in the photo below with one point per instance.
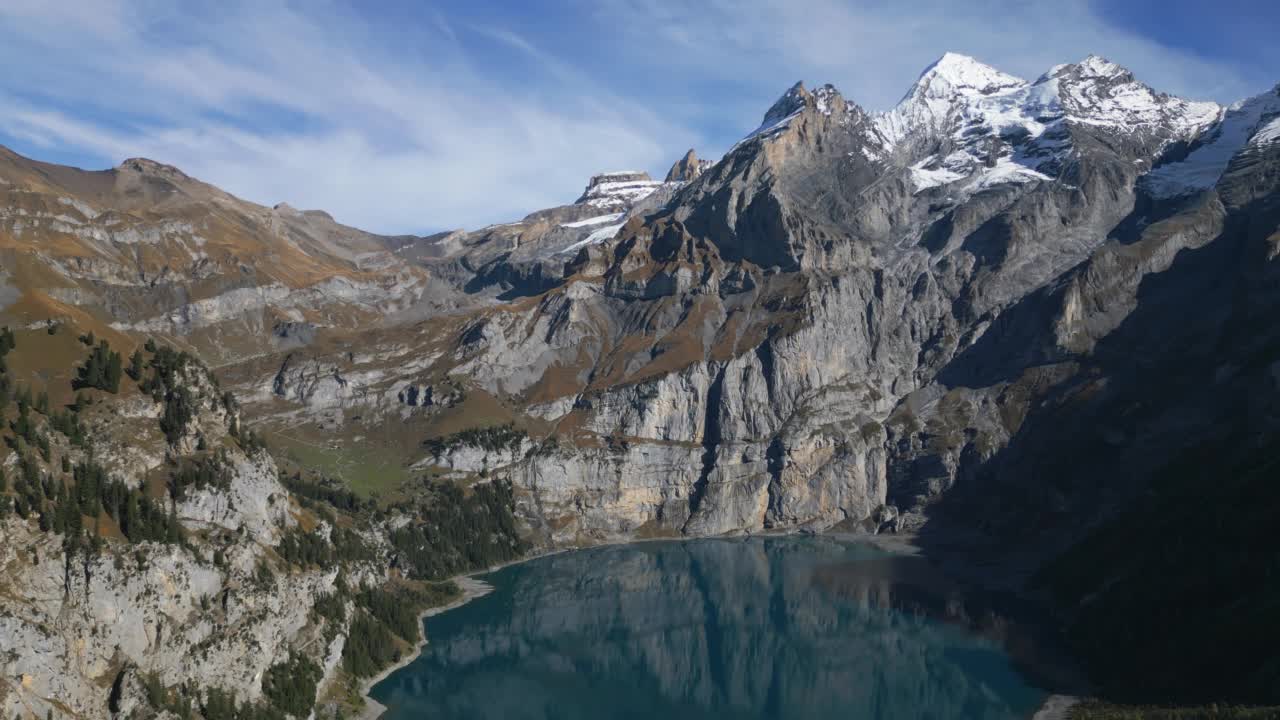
(415, 116)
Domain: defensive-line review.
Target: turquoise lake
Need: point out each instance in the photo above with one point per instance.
(743, 628)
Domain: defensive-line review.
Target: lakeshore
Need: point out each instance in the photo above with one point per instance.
(616, 590)
(471, 588)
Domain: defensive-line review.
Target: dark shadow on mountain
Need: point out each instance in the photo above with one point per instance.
(1151, 476)
(1017, 338)
(1147, 211)
(513, 280)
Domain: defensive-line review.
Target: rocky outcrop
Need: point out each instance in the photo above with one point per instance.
(75, 625)
(847, 312)
(1003, 304)
(253, 504)
(687, 168)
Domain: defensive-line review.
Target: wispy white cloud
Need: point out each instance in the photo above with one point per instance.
(275, 105)
(874, 50)
(416, 127)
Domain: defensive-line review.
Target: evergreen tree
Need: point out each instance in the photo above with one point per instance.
(131, 522)
(173, 530)
(23, 427)
(113, 372)
(135, 366)
(178, 411)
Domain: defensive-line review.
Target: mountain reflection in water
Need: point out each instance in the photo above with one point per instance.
(746, 628)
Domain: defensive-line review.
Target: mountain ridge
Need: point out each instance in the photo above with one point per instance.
(983, 310)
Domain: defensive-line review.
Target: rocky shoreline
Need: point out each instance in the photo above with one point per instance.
(472, 588)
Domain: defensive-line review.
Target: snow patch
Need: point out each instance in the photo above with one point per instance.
(1269, 133)
(924, 178)
(1251, 121)
(1007, 171)
(612, 217)
(605, 233)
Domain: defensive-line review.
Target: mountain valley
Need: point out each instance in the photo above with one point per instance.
(1028, 323)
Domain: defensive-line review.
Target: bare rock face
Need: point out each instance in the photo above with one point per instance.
(617, 191)
(253, 504)
(1004, 304)
(848, 312)
(170, 612)
(687, 168)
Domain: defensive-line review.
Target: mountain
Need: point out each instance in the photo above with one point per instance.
(143, 247)
(1029, 320)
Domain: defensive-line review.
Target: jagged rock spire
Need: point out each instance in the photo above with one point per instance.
(687, 168)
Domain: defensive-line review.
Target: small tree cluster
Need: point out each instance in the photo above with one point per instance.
(101, 370)
(208, 471)
(179, 409)
(497, 437)
(290, 686)
(24, 426)
(68, 423)
(165, 386)
(7, 343)
(460, 531)
(62, 508)
(326, 490)
(381, 616)
(159, 697)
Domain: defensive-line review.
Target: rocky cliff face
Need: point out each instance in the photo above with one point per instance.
(846, 312)
(1003, 305)
(849, 311)
(141, 552)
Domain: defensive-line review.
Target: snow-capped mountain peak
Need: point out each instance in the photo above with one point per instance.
(825, 100)
(952, 91)
(1100, 67)
(1096, 91)
(954, 73)
(966, 120)
(791, 102)
(966, 124)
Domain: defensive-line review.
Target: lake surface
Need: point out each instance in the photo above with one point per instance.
(742, 628)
